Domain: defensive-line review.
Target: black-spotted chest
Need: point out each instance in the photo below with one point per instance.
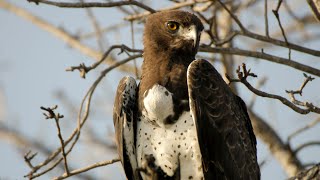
(173, 145)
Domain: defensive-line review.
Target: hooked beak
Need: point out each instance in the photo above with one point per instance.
(191, 33)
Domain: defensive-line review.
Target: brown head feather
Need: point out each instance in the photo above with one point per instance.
(157, 37)
(166, 54)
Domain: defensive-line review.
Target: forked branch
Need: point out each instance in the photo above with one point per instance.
(243, 74)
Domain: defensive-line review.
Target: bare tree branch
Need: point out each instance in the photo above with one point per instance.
(244, 74)
(217, 18)
(315, 7)
(56, 116)
(175, 6)
(281, 151)
(307, 144)
(276, 14)
(93, 4)
(93, 166)
(312, 173)
(263, 55)
(74, 137)
(84, 69)
(97, 28)
(304, 128)
(246, 32)
(61, 34)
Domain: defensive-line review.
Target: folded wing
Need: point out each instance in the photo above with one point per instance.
(225, 134)
(124, 119)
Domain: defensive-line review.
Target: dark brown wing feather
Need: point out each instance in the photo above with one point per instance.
(226, 138)
(124, 119)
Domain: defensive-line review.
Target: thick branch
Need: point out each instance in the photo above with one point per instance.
(260, 55)
(311, 174)
(280, 43)
(315, 7)
(281, 151)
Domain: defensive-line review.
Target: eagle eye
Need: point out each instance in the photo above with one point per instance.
(172, 26)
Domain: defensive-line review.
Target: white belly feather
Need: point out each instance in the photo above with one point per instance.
(172, 145)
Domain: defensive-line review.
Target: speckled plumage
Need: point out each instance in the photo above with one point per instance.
(187, 123)
(174, 145)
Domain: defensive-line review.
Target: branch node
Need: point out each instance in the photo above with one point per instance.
(28, 158)
(82, 68)
(50, 112)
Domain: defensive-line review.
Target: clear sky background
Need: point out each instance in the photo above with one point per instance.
(32, 71)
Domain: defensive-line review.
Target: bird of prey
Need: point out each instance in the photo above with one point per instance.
(182, 121)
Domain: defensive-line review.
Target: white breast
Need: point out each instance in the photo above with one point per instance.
(158, 104)
(172, 145)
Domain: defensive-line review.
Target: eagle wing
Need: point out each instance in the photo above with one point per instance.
(226, 139)
(124, 119)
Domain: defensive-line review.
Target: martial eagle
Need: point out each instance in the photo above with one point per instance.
(182, 121)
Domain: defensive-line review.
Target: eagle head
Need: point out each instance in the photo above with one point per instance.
(173, 31)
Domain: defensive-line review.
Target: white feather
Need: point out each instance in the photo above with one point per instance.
(172, 145)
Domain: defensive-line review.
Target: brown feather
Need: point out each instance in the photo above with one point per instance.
(166, 59)
(225, 133)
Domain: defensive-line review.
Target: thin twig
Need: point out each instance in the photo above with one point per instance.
(276, 14)
(28, 158)
(96, 27)
(94, 4)
(172, 7)
(62, 147)
(122, 9)
(82, 119)
(52, 115)
(234, 17)
(247, 33)
(305, 82)
(13, 136)
(83, 69)
(93, 166)
(243, 74)
(280, 43)
(304, 145)
(304, 128)
(297, 102)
